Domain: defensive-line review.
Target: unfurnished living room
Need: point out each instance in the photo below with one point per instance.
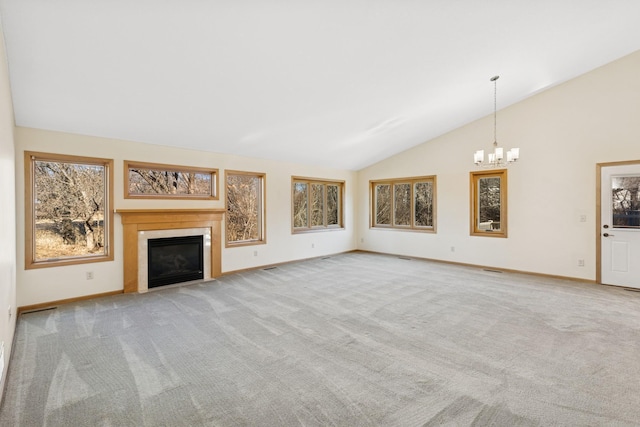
(304, 213)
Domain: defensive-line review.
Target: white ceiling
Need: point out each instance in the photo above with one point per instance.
(339, 83)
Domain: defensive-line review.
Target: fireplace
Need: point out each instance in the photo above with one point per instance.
(143, 225)
(174, 260)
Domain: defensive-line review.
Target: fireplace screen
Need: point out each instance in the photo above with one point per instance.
(175, 260)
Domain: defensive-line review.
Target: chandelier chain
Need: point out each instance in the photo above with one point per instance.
(495, 110)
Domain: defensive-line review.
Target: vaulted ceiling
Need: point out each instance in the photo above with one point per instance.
(339, 83)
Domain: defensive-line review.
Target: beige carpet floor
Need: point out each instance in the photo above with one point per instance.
(350, 340)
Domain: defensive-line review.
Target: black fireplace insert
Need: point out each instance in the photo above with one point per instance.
(175, 260)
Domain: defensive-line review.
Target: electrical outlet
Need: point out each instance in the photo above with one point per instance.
(89, 275)
(583, 218)
(362, 240)
(580, 263)
(255, 253)
(453, 248)
(313, 245)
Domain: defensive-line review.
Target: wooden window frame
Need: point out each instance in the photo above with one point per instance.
(392, 182)
(212, 172)
(325, 227)
(262, 212)
(30, 157)
(474, 179)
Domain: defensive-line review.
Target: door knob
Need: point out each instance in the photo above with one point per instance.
(607, 235)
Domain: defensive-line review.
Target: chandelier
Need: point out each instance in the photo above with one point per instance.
(495, 159)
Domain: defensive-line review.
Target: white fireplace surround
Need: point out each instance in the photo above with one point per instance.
(143, 251)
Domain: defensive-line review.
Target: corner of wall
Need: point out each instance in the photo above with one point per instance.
(7, 217)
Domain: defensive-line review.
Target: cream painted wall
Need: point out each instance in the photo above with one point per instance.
(51, 284)
(562, 133)
(7, 215)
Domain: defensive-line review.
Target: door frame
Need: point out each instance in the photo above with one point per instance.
(599, 167)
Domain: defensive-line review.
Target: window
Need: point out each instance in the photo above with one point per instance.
(625, 201)
(316, 204)
(489, 203)
(245, 208)
(404, 203)
(156, 181)
(69, 212)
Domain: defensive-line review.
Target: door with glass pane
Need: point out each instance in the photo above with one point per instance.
(620, 225)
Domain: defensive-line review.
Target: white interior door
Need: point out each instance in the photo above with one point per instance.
(620, 225)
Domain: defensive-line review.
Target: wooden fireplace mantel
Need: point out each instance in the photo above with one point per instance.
(136, 220)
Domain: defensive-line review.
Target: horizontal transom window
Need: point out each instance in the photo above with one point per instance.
(158, 181)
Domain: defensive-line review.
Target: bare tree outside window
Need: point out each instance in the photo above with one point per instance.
(68, 217)
(489, 203)
(245, 207)
(300, 211)
(316, 204)
(625, 198)
(404, 203)
(168, 181)
(423, 202)
(383, 204)
(333, 204)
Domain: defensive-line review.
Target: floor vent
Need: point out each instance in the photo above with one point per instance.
(491, 271)
(327, 257)
(631, 289)
(38, 310)
(269, 268)
(404, 258)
